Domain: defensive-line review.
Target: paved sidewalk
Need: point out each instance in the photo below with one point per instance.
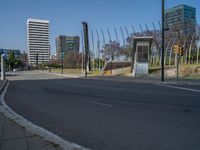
(15, 137)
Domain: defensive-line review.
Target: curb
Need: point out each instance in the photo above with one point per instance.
(29, 126)
(3, 85)
(156, 81)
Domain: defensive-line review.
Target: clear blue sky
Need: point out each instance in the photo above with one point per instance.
(66, 15)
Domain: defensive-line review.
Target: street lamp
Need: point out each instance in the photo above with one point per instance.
(62, 57)
(163, 41)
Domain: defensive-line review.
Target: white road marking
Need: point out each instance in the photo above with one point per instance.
(97, 103)
(181, 88)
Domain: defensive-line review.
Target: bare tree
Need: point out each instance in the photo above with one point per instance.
(72, 60)
(112, 50)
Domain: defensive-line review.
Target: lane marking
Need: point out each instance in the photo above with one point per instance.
(98, 103)
(181, 88)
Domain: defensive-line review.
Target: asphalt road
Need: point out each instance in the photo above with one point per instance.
(106, 115)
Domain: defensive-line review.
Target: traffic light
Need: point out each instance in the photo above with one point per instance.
(176, 49)
(181, 51)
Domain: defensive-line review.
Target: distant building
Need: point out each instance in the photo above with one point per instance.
(54, 57)
(6, 52)
(24, 59)
(38, 41)
(181, 18)
(65, 44)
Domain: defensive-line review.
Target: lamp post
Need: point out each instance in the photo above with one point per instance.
(163, 41)
(42, 60)
(62, 55)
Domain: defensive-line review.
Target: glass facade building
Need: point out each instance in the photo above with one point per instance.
(65, 44)
(181, 18)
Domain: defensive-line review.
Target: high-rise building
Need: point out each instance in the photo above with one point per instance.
(181, 18)
(65, 44)
(38, 41)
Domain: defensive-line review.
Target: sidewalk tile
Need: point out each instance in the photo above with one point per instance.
(17, 144)
(29, 134)
(13, 134)
(2, 120)
(35, 142)
(46, 147)
(58, 148)
(11, 125)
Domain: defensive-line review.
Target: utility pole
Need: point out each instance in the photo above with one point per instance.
(62, 63)
(82, 50)
(36, 59)
(98, 48)
(163, 41)
(62, 55)
(93, 50)
(42, 60)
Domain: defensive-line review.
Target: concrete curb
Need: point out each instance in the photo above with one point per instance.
(149, 81)
(29, 126)
(3, 85)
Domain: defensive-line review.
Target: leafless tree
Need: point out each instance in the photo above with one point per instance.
(112, 50)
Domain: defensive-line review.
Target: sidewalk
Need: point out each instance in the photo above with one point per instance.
(15, 137)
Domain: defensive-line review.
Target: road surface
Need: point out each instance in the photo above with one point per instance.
(106, 115)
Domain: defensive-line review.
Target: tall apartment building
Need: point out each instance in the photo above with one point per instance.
(65, 44)
(181, 18)
(38, 41)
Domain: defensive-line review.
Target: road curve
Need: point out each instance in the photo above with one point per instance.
(106, 115)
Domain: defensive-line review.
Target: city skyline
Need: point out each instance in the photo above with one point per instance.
(66, 20)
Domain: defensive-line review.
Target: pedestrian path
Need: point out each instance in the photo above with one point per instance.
(15, 137)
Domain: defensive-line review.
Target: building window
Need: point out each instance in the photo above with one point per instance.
(142, 53)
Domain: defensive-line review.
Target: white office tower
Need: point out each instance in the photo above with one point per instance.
(38, 41)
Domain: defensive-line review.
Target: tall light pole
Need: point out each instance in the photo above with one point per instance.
(98, 48)
(82, 50)
(62, 65)
(163, 41)
(93, 49)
